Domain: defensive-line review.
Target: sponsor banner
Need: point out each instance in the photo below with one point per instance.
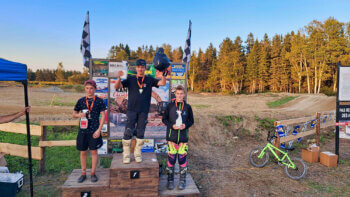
(178, 71)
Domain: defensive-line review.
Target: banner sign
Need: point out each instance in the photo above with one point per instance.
(344, 112)
(178, 71)
(344, 84)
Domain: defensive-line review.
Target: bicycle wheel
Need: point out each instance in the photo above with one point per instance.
(300, 170)
(255, 160)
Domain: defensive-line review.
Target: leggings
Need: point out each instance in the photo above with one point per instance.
(177, 151)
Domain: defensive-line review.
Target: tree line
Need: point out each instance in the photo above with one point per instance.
(298, 62)
(58, 75)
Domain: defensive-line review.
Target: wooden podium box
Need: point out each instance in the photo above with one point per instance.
(72, 188)
(191, 189)
(136, 179)
(129, 180)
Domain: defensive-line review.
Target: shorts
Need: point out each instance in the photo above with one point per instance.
(85, 141)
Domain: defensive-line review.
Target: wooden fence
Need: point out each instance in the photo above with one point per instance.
(319, 121)
(38, 153)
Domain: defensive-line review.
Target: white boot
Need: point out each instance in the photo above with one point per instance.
(137, 151)
(126, 151)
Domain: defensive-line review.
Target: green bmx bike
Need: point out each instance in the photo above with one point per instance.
(295, 168)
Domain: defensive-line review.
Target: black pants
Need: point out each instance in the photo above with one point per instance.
(136, 120)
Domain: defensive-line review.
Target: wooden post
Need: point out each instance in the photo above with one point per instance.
(318, 123)
(277, 140)
(43, 150)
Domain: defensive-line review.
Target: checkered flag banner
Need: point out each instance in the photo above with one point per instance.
(85, 42)
(187, 53)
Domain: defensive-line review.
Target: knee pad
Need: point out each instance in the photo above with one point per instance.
(172, 148)
(183, 160)
(183, 148)
(171, 160)
(128, 134)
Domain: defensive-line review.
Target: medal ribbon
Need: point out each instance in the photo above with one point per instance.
(138, 83)
(182, 105)
(92, 104)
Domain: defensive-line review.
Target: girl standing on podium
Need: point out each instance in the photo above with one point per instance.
(178, 117)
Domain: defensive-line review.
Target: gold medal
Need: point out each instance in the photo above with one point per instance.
(138, 83)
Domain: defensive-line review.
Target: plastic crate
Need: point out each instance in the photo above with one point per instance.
(10, 183)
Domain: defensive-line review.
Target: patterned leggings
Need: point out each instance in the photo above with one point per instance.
(179, 150)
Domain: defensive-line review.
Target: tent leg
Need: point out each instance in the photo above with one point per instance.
(28, 138)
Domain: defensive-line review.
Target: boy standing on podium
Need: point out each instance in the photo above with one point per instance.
(88, 109)
(139, 100)
(178, 117)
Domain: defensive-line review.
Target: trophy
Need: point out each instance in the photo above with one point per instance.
(179, 119)
(84, 120)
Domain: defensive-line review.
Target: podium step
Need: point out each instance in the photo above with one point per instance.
(72, 188)
(191, 189)
(131, 180)
(136, 179)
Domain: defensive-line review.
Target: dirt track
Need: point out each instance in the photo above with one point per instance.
(218, 160)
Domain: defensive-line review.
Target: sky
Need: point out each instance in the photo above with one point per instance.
(41, 33)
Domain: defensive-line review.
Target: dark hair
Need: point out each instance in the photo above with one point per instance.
(180, 87)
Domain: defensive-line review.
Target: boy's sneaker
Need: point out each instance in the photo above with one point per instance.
(81, 178)
(94, 178)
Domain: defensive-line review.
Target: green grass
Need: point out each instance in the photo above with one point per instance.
(229, 120)
(281, 101)
(58, 159)
(265, 123)
(79, 88)
(201, 106)
(61, 102)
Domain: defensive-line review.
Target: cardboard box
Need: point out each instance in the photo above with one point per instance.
(329, 159)
(310, 155)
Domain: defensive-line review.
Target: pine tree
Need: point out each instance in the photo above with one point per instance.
(264, 63)
(276, 63)
(59, 74)
(251, 74)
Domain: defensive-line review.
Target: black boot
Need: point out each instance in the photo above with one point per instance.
(182, 182)
(170, 184)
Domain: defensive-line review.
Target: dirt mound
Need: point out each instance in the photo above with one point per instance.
(311, 103)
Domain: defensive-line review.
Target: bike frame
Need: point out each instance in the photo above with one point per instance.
(272, 149)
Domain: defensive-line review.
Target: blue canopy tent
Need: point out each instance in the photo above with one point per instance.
(13, 71)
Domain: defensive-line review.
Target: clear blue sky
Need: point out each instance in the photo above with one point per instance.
(42, 33)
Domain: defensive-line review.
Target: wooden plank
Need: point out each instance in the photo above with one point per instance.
(149, 161)
(42, 163)
(277, 142)
(191, 189)
(318, 128)
(20, 150)
(148, 173)
(296, 120)
(60, 123)
(102, 183)
(57, 143)
(20, 128)
(293, 137)
(111, 192)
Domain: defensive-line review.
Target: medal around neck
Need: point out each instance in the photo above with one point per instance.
(140, 90)
(179, 119)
